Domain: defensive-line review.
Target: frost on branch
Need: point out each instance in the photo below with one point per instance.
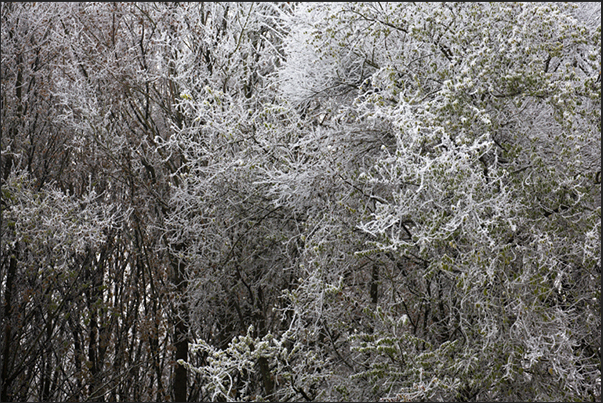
(351, 201)
(231, 374)
(484, 189)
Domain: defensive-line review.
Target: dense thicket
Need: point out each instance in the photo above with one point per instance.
(291, 201)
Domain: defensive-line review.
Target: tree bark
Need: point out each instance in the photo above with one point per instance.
(180, 332)
(5, 396)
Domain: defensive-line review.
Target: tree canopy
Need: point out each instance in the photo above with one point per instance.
(300, 202)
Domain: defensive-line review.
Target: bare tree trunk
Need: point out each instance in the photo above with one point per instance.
(5, 396)
(180, 333)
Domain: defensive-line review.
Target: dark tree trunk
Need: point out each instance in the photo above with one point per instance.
(5, 396)
(180, 333)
